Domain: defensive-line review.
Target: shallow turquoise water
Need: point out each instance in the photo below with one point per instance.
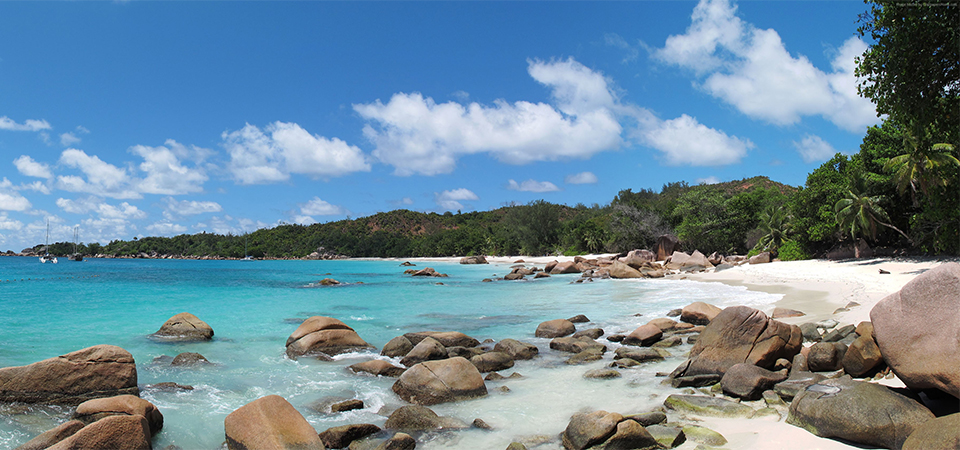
(49, 310)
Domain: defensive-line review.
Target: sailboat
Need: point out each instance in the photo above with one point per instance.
(247, 256)
(76, 256)
(46, 244)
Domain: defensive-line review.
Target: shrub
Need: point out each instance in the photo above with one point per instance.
(792, 251)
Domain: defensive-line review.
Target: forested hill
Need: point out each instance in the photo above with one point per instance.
(631, 220)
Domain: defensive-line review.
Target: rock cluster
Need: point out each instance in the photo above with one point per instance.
(124, 422)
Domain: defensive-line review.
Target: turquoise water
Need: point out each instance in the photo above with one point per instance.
(49, 310)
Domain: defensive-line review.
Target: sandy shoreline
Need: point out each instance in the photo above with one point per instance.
(816, 287)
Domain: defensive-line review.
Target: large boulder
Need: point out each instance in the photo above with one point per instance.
(636, 258)
(321, 335)
(269, 422)
(342, 436)
(740, 334)
(447, 380)
(666, 245)
(398, 346)
(589, 429)
(94, 372)
(825, 356)
(447, 338)
(677, 260)
(645, 335)
(748, 381)
(861, 412)
(702, 405)
(377, 367)
(941, 432)
(862, 357)
(479, 259)
(918, 330)
(621, 270)
(93, 410)
(492, 361)
(517, 349)
(565, 267)
(761, 258)
(420, 418)
(427, 350)
(555, 328)
(185, 327)
(110, 433)
(52, 436)
(699, 313)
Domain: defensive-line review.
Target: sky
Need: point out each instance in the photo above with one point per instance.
(131, 119)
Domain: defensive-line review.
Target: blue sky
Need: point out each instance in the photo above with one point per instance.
(161, 118)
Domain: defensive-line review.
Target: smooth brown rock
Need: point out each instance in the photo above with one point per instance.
(748, 381)
(779, 313)
(447, 338)
(93, 410)
(555, 328)
(342, 436)
(378, 367)
(762, 258)
(564, 267)
(420, 418)
(825, 356)
(517, 349)
(636, 258)
(189, 359)
(52, 436)
(918, 330)
(94, 372)
(492, 361)
(433, 382)
(666, 245)
(699, 313)
(644, 335)
(621, 270)
(397, 347)
(185, 327)
(587, 430)
(110, 433)
(399, 441)
(741, 334)
(269, 423)
(323, 335)
(862, 357)
(940, 433)
(631, 435)
(427, 350)
(576, 345)
(479, 259)
(592, 333)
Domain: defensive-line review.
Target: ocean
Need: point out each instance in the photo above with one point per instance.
(253, 306)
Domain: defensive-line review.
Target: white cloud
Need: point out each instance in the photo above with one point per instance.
(317, 207)
(281, 149)
(166, 228)
(451, 199)
(6, 223)
(304, 220)
(532, 186)
(27, 166)
(122, 212)
(174, 209)
(752, 70)
(685, 141)
(9, 124)
(102, 179)
(630, 53)
(581, 178)
(814, 149)
(36, 186)
(708, 180)
(12, 201)
(416, 135)
(165, 173)
(68, 139)
(406, 201)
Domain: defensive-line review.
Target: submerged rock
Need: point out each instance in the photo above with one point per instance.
(707, 406)
(342, 436)
(378, 367)
(185, 327)
(420, 418)
(517, 349)
(447, 338)
(269, 422)
(555, 328)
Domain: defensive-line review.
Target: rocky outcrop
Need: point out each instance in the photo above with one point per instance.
(918, 330)
(269, 422)
(856, 411)
(636, 258)
(699, 313)
(447, 380)
(94, 372)
(447, 338)
(666, 245)
(555, 328)
(122, 405)
(185, 327)
(321, 335)
(621, 270)
(479, 259)
(564, 267)
(740, 334)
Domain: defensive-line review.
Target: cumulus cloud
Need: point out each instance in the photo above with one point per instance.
(6, 223)
(10, 199)
(102, 179)
(416, 135)
(451, 199)
(281, 149)
(165, 174)
(532, 186)
(317, 207)
(812, 148)
(581, 178)
(9, 124)
(174, 209)
(166, 228)
(752, 70)
(685, 141)
(122, 212)
(27, 166)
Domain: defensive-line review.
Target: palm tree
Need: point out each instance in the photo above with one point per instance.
(859, 214)
(920, 166)
(777, 225)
